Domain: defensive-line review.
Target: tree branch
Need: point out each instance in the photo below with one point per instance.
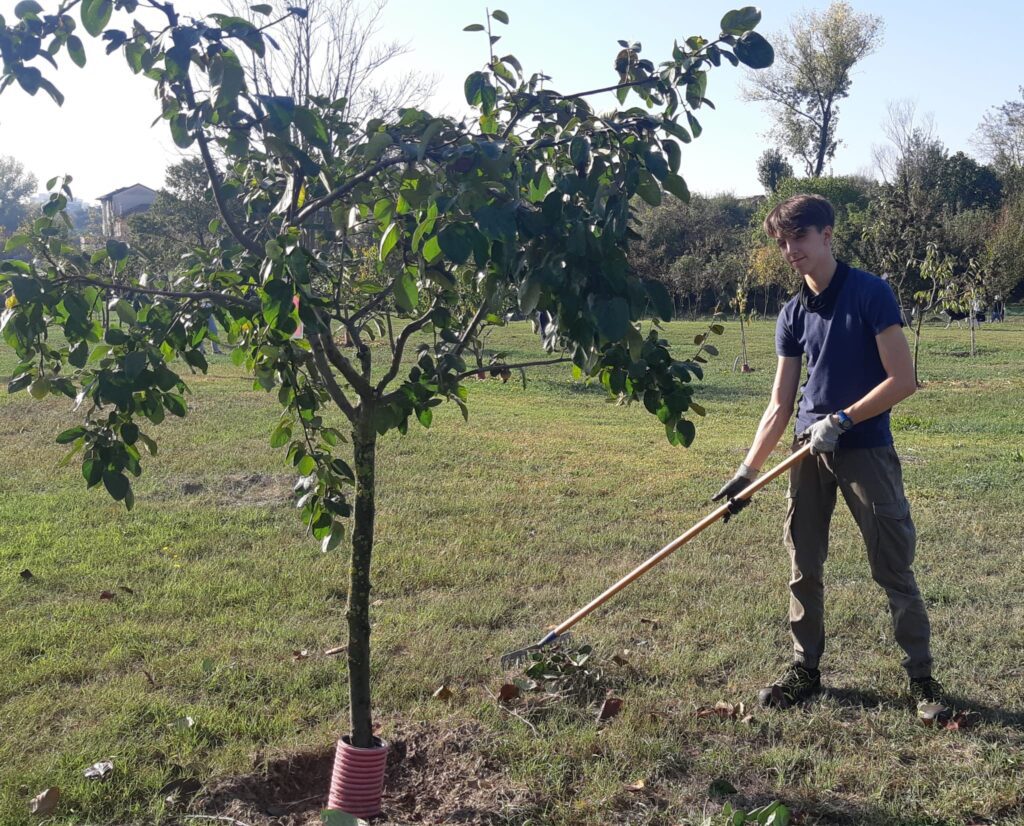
(333, 388)
(361, 385)
(403, 338)
(351, 183)
(214, 176)
(521, 366)
(223, 299)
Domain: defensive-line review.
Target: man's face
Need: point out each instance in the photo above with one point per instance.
(810, 253)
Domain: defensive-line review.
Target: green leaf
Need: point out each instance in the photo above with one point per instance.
(70, 435)
(500, 16)
(754, 51)
(262, 8)
(282, 433)
(649, 190)
(26, 8)
(612, 318)
(116, 484)
(656, 163)
(474, 27)
(96, 15)
(79, 355)
(16, 241)
(76, 50)
(456, 242)
(741, 21)
(529, 291)
(388, 240)
(406, 293)
(40, 388)
(661, 299)
(674, 153)
(677, 186)
(497, 223)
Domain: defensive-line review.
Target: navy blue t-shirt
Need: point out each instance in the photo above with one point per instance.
(836, 331)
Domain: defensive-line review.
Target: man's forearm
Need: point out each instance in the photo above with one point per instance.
(885, 395)
(773, 425)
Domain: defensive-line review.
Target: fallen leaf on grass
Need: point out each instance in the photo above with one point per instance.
(377, 603)
(637, 786)
(443, 693)
(44, 802)
(650, 622)
(107, 595)
(26, 574)
(609, 708)
(618, 659)
(962, 720)
(931, 713)
(340, 649)
(97, 771)
(300, 654)
(508, 692)
(722, 710)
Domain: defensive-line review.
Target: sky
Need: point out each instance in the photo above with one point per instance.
(954, 60)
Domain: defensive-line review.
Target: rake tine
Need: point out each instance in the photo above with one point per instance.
(514, 658)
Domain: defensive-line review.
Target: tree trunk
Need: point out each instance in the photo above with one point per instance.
(364, 443)
(917, 345)
(822, 148)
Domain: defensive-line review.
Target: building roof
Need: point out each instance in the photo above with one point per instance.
(122, 189)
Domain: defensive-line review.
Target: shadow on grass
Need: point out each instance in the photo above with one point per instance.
(869, 699)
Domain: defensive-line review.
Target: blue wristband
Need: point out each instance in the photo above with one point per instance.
(845, 422)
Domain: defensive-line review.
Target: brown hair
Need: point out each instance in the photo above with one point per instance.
(794, 216)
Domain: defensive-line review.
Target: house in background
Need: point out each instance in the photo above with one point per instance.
(116, 206)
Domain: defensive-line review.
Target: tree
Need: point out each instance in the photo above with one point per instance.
(16, 188)
(177, 221)
(773, 168)
(1000, 136)
(328, 49)
(811, 75)
(525, 206)
(695, 248)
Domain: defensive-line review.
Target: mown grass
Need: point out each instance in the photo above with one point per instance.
(488, 532)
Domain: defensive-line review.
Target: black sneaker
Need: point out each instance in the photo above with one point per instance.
(929, 696)
(799, 683)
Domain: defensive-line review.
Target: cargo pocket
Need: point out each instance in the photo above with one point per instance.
(895, 537)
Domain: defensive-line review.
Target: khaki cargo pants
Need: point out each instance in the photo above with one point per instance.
(871, 481)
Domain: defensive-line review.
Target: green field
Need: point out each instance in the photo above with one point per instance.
(488, 532)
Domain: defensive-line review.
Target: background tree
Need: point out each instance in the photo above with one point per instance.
(772, 168)
(1000, 136)
(178, 220)
(331, 49)
(16, 190)
(812, 73)
(527, 205)
(695, 249)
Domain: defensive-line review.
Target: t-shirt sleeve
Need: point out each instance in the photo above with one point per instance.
(881, 310)
(786, 344)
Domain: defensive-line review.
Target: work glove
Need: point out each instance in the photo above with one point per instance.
(824, 434)
(744, 476)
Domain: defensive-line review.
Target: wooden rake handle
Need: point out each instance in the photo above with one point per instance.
(679, 541)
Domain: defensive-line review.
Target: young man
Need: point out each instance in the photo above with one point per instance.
(848, 325)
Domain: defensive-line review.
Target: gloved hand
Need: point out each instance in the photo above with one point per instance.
(733, 487)
(824, 434)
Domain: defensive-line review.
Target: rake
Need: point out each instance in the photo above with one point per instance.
(558, 633)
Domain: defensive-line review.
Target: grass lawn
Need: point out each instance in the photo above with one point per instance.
(488, 532)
